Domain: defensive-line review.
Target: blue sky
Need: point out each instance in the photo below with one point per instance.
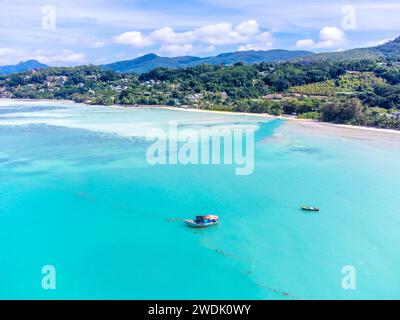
(73, 32)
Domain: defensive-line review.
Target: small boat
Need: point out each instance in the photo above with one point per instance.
(315, 209)
(203, 221)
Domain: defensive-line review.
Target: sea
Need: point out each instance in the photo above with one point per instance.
(85, 215)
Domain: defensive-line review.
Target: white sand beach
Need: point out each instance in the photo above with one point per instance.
(340, 128)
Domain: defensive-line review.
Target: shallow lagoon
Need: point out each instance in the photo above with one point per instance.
(76, 192)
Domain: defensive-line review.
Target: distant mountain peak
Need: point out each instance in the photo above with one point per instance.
(22, 66)
(29, 61)
(149, 56)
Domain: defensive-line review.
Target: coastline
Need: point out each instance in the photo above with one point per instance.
(62, 101)
(310, 122)
(289, 118)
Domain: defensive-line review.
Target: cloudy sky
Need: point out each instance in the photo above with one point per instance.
(61, 32)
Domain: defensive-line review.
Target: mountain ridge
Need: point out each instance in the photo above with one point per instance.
(388, 50)
(151, 61)
(22, 66)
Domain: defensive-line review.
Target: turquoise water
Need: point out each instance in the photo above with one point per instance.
(76, 192)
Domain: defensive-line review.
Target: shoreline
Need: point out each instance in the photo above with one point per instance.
(262, 115)
(39, 100)
(288, 118)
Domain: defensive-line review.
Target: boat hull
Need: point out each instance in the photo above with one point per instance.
(310, 209)
(192, 224)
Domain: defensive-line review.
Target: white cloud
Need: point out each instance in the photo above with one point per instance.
(133, 38)
(328, 37)
(332, 34)
(248, 28)
(219, 34)
(255, 47)
(168, 35)
(98, 44)
(294, 15)
(246, 33)
(225, 33)
(378, 42)
(262, 41)
(66, 56)
(94, 19)
(175, 50)
(305, 43)
(60, 57)
(7, 56)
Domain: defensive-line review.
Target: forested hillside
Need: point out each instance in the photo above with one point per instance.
(365, 92)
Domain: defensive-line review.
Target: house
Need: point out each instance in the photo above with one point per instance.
(195, 97)
(394, 115)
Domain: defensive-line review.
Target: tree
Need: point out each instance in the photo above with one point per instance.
(341, 112)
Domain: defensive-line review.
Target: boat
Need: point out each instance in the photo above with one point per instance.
(203, 221)
(315, 209)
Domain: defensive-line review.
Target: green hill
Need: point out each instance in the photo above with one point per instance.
(348, 83)
(389, 50)
(149, 62)
(152, 61)
(22, 66)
